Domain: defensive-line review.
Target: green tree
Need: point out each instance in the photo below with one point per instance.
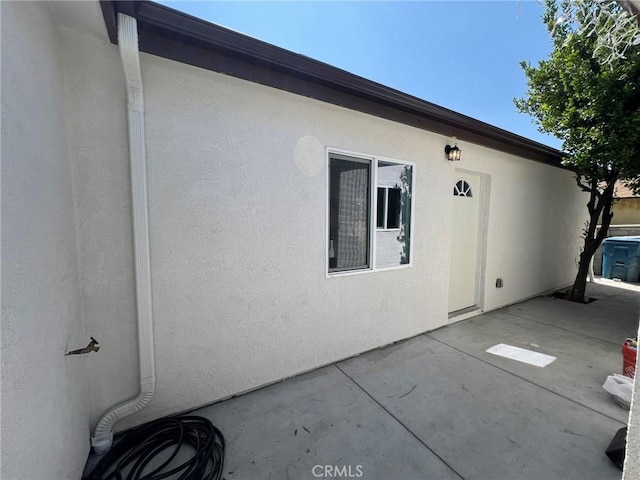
(593, 106)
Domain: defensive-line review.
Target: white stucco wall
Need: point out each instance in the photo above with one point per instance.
(238, 236)
(97, 121)
(45, 415)
(534, 224)
(237, 194)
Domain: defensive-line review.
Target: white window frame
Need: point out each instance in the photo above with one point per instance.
(373, 223)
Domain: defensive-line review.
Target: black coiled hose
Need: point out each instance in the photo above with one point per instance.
(138, 448)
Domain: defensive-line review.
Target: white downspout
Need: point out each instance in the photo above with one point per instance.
(128, 45)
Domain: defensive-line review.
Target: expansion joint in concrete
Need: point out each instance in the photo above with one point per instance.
(399, 421)
(526, 380)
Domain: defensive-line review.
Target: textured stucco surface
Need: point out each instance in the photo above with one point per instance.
(237, 195)
(100, 167)
(238, 237)
(534, 228)
(45, 415)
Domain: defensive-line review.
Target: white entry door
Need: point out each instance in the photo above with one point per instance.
(463, 282)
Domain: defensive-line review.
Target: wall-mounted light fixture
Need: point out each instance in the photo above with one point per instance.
(453, 153)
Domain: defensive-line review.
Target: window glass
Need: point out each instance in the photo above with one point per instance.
(462, 189)
(382, 199)
(393, 240)
(349, 213)
(389, 204)
(393, 207)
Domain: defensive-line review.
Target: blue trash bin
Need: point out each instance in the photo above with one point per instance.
(621, 258)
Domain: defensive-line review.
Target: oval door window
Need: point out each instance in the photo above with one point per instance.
(462, 189)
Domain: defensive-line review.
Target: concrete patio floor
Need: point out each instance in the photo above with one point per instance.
(438, 406)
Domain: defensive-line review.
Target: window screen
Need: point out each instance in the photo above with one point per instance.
(349, 213)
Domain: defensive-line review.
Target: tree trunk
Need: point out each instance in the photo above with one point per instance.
(600, 204)
(580, 284)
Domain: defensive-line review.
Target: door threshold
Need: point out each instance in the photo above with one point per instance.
(464, 313)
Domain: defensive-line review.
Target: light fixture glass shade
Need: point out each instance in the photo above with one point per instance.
(453, 153)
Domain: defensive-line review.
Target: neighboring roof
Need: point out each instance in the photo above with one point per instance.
(177, 36)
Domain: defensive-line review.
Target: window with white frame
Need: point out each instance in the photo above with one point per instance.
(369, 213)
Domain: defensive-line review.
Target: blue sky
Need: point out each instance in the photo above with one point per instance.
(461, 55)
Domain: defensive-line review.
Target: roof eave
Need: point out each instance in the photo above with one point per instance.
(177, 36)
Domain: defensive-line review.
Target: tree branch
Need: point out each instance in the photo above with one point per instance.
(583, 187)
